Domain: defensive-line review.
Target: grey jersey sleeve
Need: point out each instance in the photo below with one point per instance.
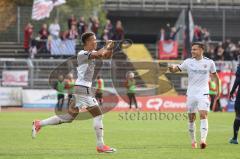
(83, 56)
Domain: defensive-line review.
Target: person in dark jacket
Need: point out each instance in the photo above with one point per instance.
(236, 122)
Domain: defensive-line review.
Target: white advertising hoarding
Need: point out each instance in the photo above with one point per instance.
(46, 98)
(10, 96)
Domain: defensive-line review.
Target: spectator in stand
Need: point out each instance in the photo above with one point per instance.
(226, 43)
(231, 51)
(119, 31)
(90, 23)
(95, 26)
(81, 26)
(109, 29)
(72, 21)
(28, 31)
(167, 32)
(43, 34)
(174, 32)
(220, 53)
(197, 33)
(205, 35)
(54, 29)
(105, 35)
(64, 35)
(210, 52)
(72, 33)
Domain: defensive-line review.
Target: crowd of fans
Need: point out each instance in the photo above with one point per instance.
(34, 43)
(223, 51)
(38, 43)
(218, 51)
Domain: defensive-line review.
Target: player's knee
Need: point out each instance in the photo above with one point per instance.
(65, 118)
(203, 116)
(191, 120)
(191, 117)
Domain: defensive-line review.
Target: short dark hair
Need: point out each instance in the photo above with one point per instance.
(199, 44)
(85, 36)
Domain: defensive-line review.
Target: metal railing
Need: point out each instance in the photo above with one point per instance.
(111, 71)
(170, 4)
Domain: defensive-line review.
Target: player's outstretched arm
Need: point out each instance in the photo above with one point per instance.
(173, 69)
(105, 52)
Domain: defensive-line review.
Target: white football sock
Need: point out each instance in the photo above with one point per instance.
(204, 129)
(57, 119)
(192, 131)
(98, 126)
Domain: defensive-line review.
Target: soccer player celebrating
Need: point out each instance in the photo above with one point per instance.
(198, 68)
(236, 123)
(83, 96)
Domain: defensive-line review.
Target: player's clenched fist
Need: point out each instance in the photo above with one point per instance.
(109, 44)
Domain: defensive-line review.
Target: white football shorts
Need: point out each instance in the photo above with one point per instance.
(84, 97)
(196, 103)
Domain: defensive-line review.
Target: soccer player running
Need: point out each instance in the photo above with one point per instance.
(198, 68)
(236, 123)
(83, 96)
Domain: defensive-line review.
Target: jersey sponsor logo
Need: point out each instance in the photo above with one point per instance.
(199, 71)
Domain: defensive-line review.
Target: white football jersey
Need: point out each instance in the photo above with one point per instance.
(85, 69)
(198, 75)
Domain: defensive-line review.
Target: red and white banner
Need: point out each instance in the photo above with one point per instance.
(15, 78)
(150, 103)
(42, 8)
(167, 49)
(227, 79)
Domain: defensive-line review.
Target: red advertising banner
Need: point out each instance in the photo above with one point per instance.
(167, 49)
(227, 78)
(150, 103)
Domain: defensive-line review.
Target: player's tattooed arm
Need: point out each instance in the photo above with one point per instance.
(104, 53)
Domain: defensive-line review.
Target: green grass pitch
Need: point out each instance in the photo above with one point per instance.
(134, 139)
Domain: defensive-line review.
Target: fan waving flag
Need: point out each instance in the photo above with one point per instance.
(42, 8)
(185, 36)
(167, 49)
